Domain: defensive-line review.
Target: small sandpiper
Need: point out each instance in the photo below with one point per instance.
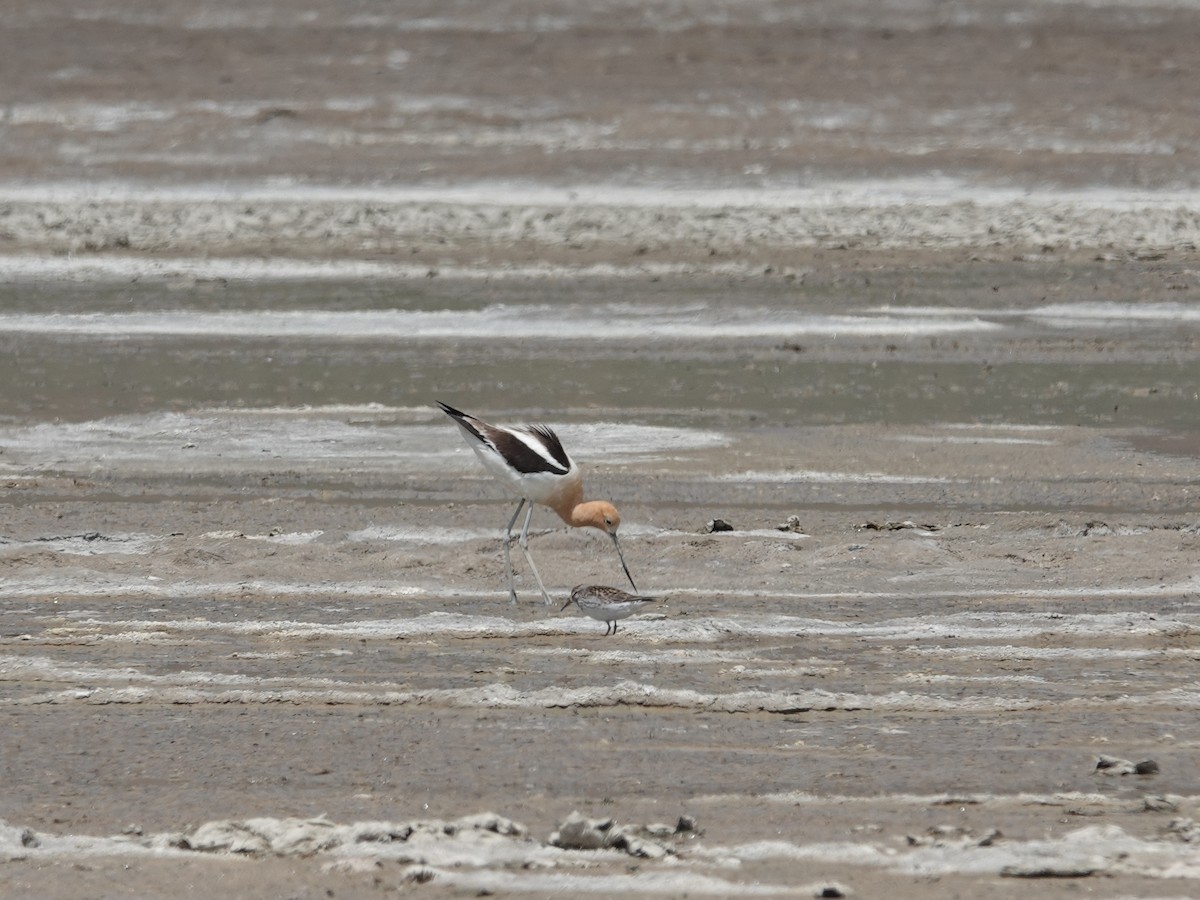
(606, 604)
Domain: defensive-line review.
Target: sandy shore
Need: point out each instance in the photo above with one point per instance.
(498, 229)
(287, 628)
(902, 292)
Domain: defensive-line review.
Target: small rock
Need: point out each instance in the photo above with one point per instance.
(685, 824)
(792, 524)
(1159, 803)
(1112, 765)
(990, 838)
(831, 890)
(717, 525)
(577, 832)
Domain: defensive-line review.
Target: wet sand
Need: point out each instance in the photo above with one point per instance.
(932, 314)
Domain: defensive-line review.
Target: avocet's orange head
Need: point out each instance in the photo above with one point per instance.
(597, 514)
(603, 515)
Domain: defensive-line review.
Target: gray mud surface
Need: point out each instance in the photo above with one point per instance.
(902, 292)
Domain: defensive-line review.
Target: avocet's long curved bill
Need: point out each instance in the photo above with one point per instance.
(617, 544)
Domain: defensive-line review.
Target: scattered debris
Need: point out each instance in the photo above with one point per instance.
(480, 853)
(953, 836)
(895, 526)
(353, 865)
(419, 875)
(716, 525)
(1112, 765)
(577, 832)
(792, 524)
(1187, 830)
(1088, 529)
(304, 837)
(1093, 528)
(1052, 869)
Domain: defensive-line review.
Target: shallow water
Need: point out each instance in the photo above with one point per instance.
(752, 353)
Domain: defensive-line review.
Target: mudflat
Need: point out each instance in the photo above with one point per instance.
(902, 293)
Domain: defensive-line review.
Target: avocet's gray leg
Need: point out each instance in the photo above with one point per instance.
(508, 537)
(524, 543)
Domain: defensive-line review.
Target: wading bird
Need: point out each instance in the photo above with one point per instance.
(606, 604)
(531, 461)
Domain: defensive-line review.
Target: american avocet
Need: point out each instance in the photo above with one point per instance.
(607, 604)
(532, 462)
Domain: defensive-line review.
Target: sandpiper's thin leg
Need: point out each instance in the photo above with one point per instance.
(508, 536)
(524, 544)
